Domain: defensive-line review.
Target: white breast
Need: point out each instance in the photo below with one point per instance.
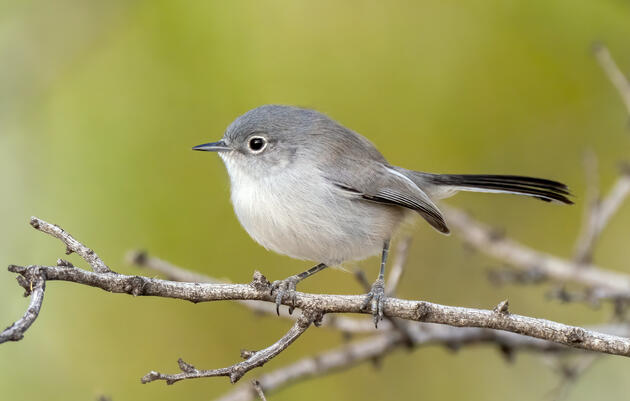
(306, 217)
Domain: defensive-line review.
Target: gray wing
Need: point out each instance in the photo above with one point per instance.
(376, 182)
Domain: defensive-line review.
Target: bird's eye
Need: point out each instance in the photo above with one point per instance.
(257, 144)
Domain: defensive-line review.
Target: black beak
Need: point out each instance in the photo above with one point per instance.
(220, 146)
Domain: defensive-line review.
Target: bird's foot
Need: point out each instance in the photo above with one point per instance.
(284, 288)
(376, 297)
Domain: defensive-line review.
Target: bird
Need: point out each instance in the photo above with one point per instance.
(305, 186)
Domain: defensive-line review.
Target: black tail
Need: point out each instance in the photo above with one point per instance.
(546, 190)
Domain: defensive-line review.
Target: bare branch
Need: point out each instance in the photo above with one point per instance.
(570, 373)
(236, 371)
(483, 238)
(72, 245)
(507, 275)
(341, 358)
(34, 285)
(599, 215)
(314, 307)
(613, 72)
(586, 241)
(167, 269)
(378, 346)
(259, 390)
(423, 311)
(614, 200)
(172, 272)
(398, 267)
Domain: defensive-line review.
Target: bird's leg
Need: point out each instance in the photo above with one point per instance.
(287, 286)
(377, 293)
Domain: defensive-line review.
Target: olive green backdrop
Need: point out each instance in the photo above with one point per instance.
(100, 103)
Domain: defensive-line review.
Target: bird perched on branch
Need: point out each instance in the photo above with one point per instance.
(305, 186)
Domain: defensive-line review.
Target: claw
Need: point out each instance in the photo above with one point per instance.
(282, 288)
(278, 301)
(376, 297)
(293, 298)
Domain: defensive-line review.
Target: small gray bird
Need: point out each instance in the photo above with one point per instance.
(307, 187)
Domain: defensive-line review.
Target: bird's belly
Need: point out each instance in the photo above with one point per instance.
(315, 224)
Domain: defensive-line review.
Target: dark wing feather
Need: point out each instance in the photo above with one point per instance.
(388, 187)
(427, 210)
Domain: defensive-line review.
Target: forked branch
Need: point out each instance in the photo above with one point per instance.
(236, 371)
(313, 307)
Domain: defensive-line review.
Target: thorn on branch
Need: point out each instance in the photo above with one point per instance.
(576, 335)
(502, 307)
(186, 367)
(34, 222)
(246, 354)
(27, 277)
(422, 311)
(24, 283)
(318, 318)
(17, 269)
(135, 286)
(259, 282)
(64, 263)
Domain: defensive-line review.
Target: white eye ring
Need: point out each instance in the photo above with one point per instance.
(256, 144)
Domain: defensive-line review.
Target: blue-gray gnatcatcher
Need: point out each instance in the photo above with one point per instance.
(307, 187)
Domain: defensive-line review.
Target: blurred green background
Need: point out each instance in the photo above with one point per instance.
(100, 103)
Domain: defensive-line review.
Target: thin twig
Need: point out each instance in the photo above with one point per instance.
(608, 283)
(378, 346)
(570, 373)
(398, 267)
(341, 358)
(236, 371)
(614, 199)
(34, 285)
(259, 390)
(586, 241)
(618, 79)
(72, 245)
(598, 217)
(170, 271)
